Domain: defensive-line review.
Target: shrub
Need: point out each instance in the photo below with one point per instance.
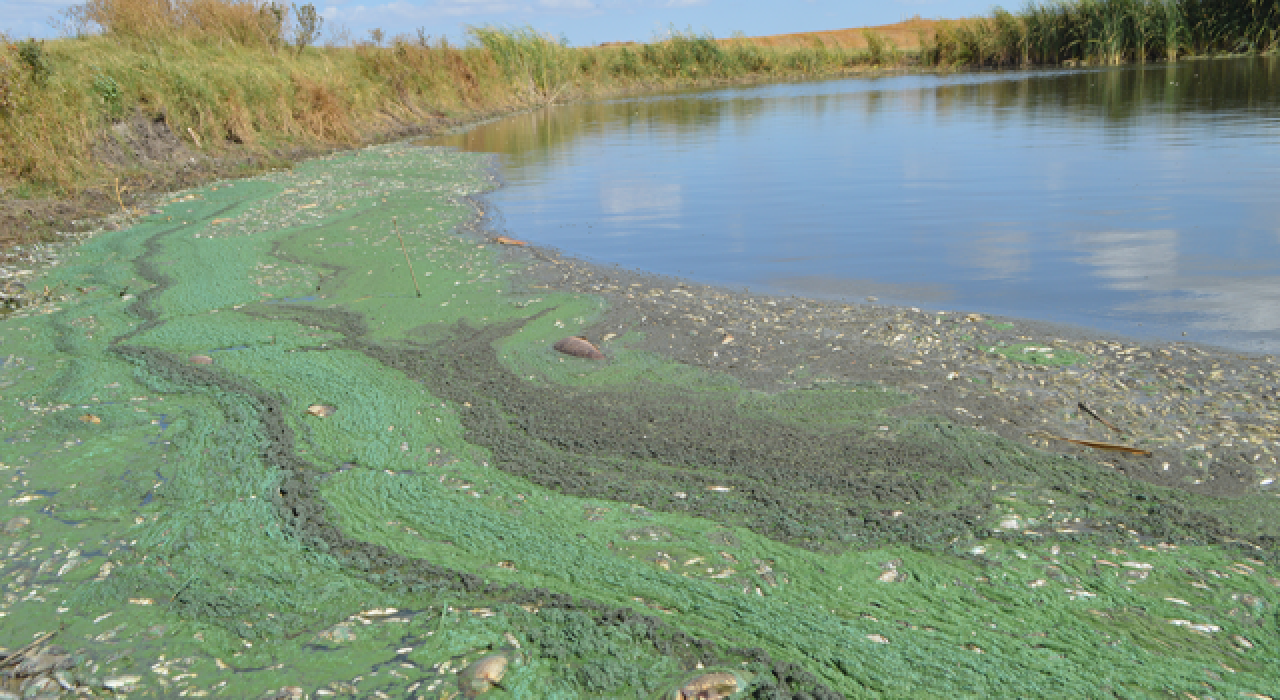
(307, 26)
(33, 55)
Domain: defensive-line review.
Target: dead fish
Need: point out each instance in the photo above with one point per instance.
(201, 360)
(708, 686)
(579, 346)
(321, 410)
(482, 675)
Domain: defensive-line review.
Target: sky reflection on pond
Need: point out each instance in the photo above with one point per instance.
(1138, 199)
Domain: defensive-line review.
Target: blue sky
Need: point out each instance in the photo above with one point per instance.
(583, 22)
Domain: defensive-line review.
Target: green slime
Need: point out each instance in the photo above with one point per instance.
(612, 527)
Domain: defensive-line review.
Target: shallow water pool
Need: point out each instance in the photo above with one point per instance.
(1139, 199)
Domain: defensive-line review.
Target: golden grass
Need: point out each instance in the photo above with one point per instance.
(905, 35)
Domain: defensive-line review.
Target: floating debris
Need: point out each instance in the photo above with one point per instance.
(507, 240)
(121, 683)
(1085, 407)
(16, 525)
(708, 686)
(90, 418)
(1207, 629)
(321, 410)
(39, 670)
(341, 632)
(579, 346)
(878, 638)
(892, 576)
(482, 675)
(201, 360)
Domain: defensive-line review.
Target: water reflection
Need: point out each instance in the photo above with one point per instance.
(636, 201)
(1132, 260)
(1137, 199)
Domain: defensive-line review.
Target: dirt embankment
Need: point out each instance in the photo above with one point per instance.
(154, 160)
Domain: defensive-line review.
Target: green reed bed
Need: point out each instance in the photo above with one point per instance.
(1107, 32)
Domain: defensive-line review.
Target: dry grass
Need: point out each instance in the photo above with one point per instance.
(244, 22)
(906, 34)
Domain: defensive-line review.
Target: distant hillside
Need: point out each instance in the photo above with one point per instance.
(905, 34)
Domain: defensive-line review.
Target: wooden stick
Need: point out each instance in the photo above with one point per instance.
(1084, 407)
(18, 655)
(412, 274)
(1100, 445)
(118, 199)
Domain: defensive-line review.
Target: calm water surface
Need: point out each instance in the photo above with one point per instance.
(1140, 200)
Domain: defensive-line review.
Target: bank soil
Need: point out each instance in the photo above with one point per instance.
(149, 160)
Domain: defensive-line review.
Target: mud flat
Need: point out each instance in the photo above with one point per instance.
(244, 457)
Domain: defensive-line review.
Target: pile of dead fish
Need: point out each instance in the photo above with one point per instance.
(41, 671)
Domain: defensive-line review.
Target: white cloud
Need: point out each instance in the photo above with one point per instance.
(999, 255)
(455, 8)
(567, 4)
(1132, 260)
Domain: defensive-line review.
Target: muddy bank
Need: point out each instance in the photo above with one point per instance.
(151, 161)
(1210, 418)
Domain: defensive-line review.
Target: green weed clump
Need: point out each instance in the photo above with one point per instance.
(1106, 32)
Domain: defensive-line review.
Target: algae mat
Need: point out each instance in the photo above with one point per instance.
(244, 458)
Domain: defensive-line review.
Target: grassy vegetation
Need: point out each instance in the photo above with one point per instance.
(245, 76)
(241, 74)
(1107, 32)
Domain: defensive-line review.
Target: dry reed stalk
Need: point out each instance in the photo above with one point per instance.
(396, 224)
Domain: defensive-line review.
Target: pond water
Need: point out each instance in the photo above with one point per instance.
(1143, 200)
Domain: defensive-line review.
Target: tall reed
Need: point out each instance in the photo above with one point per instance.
(537, 64)
(1107, 32)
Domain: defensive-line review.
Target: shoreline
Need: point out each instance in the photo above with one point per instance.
(152, 162)
(780, 444)
(918, 352)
